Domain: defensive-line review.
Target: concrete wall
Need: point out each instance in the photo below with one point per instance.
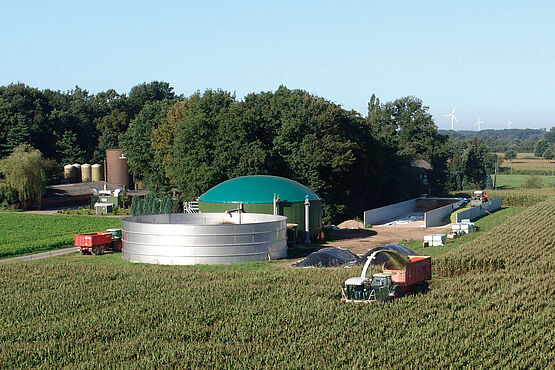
(435, 216)
(478, 211)
(383, 214)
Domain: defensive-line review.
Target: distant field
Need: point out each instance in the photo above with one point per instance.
(527, 162)
(26, 233)
(515, 181)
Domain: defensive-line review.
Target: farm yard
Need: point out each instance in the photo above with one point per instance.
(250, 213)
(102, 311)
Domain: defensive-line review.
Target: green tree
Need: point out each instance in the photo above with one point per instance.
(474, 160)
(145, 93)
(407, 125)
(22, 174)
(136, 144)
(510, 155)
(540, 147)
(550, 135)
(69, 149)
(549, 154)
(191, 161)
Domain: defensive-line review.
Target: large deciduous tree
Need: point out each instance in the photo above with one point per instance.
(22, 176)
(137, 146)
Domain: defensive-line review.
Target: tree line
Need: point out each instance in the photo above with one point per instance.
(190, 144)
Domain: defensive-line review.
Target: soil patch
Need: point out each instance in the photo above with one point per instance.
(361, 241)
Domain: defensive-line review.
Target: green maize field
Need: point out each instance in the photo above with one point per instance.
(490, 305)
(24, 233)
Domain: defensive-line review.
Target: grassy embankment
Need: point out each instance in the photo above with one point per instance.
(490, 306)
(30, 233)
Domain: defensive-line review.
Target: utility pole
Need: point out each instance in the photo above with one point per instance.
(495, 177)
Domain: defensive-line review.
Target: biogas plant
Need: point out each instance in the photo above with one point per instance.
(244, 219)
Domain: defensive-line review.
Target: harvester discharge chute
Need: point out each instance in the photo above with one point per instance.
(401, 274)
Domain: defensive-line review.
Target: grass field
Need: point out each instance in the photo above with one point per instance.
(491, 305)
(527, 162)
(516, 181)
(28, 233)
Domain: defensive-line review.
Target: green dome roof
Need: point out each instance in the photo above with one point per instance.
(257, 189)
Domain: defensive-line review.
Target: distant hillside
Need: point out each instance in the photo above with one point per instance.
(521, 140)
(504, 135)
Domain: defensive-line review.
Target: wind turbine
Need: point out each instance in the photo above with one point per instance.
(453, 118)
(479, 123)
(509, 123)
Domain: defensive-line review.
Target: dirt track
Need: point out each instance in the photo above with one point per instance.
(362, 240)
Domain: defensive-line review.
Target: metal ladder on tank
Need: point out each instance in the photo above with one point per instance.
(190, 207)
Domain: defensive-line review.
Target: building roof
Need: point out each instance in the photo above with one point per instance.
(83, 188)
(420, 163)
(258, 189)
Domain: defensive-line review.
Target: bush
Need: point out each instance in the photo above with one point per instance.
(532, 182)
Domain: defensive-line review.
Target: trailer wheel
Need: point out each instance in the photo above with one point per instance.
(84, 252)
(98, 250)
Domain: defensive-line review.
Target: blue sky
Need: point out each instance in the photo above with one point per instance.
(495, 59)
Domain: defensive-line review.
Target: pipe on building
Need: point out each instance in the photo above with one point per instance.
(307, 219)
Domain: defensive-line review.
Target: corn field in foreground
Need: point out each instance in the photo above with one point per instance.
(491, 305)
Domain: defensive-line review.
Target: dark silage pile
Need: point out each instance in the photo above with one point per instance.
(327, 257)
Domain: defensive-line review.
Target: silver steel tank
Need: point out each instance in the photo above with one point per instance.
(204, 238)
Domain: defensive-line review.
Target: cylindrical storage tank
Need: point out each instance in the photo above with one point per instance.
(257, 194)
(117, 169)
(85, 172)
(96, 172)
(77, 172)
(68, 173)
(204, 238)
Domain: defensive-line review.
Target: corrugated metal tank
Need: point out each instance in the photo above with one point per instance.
(203, 238)
(77, 172)
(85, 172)
(96, 172)
(257, 194)
(117, 169)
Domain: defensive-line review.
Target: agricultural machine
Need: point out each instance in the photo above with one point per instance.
(478, 198)
(400, 275)
(98, 243)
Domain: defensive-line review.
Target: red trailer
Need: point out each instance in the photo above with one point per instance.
(98, 243)
(414, 277)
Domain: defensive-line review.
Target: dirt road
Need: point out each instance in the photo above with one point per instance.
(39, 256)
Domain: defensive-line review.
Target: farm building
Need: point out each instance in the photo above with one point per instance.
(257, 194)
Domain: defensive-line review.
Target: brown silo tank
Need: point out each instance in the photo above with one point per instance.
(96, 172)
(117, 169)
(85, 172)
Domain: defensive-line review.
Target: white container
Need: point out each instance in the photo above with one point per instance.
(435, 239)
